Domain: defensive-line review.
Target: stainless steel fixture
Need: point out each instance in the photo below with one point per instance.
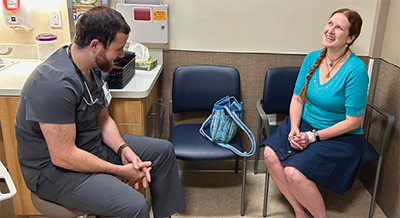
(6, 64)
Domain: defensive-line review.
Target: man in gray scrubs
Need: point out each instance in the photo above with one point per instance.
(69, 148)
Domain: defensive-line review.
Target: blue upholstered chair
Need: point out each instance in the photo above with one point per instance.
(196, 88)
(278, 91)
(370, 153)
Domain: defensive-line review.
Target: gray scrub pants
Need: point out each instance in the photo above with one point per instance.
(106, 196)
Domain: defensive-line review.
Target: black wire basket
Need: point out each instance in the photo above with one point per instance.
(122, 72)
(155, 119)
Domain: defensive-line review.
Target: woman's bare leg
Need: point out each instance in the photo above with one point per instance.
(277, 172)
(306, 192)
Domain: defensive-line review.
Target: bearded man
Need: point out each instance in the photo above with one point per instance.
(69, 148)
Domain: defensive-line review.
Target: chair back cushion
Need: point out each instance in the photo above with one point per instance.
(278, 89)
(198, 87)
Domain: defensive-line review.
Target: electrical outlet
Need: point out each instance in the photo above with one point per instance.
(55, 18)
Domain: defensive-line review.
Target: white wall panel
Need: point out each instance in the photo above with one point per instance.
(276, 26)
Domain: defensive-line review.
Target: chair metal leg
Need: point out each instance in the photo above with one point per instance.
(266, 193)
(243, 186)
(257, 146)
(256, 159)
(378, 171)
(237, 165)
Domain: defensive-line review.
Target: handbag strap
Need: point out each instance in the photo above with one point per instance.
(240, 124)
(206, 123)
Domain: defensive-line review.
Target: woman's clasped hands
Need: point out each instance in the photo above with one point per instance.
(298, 140)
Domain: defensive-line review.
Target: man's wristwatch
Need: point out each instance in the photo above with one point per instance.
(316, 135)
(120, 149)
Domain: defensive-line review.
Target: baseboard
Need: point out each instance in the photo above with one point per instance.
(386, 206)
(218, 166)
(381, 200)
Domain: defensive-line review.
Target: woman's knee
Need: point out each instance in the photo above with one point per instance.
(293, 175)
(270, 156)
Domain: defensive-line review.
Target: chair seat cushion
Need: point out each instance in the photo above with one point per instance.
(190, 145)
(370, 153)
(51, 209)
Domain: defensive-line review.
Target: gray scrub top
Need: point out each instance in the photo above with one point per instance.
(53, 93)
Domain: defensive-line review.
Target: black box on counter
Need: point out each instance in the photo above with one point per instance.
(122, 72)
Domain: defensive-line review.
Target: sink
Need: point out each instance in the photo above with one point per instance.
(7, 64)
(13, 76)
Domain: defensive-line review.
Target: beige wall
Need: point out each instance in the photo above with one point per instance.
(266, 26)
(41, 25)
(391, 43)
(385, 94)
(272, 26)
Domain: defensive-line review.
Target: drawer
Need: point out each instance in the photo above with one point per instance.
(135, 129)
(125, 110)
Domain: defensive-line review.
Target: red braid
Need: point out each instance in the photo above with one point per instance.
(310, 73)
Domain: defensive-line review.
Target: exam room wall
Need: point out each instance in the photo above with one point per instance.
(41, 25)
(391, 39)
(385, 93)
(266, 26)
(246, 34)
(282, 38)
(226, 25)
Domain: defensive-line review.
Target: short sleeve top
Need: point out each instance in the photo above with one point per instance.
(53, 93)
(344, 94)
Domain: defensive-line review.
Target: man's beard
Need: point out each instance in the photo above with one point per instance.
(102, 63)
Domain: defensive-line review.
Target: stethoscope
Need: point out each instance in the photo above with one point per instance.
(92, 102)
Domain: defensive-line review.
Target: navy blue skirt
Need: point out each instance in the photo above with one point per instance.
(331, 164)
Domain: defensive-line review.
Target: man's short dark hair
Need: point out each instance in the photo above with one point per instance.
(102, 23)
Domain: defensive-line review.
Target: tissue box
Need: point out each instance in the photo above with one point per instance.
(146, 65)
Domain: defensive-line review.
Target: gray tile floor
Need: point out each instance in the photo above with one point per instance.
(211, 195)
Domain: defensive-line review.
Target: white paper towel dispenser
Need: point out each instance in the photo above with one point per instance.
(149, 23)
(18, 14)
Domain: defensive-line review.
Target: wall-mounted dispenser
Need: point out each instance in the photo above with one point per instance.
(149, 23)
(18, 14)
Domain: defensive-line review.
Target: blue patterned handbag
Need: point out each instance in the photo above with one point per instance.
(224, 123)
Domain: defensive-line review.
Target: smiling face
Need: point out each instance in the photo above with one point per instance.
(336, 32)
(105, 57)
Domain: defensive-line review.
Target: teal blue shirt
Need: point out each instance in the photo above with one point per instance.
(344, 94)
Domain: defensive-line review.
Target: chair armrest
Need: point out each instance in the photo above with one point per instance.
(10, 184)
(389, 125)
(171, 117)
(263, 116)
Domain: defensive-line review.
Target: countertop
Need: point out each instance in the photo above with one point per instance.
(13, 78)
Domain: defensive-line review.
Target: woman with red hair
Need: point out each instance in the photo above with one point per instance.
(320, 143)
